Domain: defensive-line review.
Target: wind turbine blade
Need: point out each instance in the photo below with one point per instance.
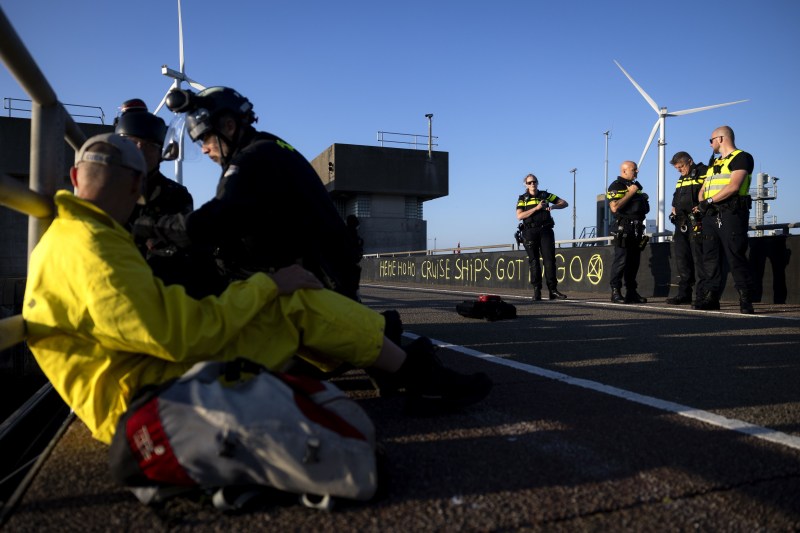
(641, 91)
(649, 142)
(696, 109)
(163, 100)
(180, 39)
(161, 104)
(196, 85)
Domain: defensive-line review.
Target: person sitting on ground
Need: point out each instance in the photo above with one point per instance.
(102, 327)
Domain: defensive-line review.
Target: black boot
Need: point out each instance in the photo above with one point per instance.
(537, 294)
(432, 388)
(708, 302)
(633, 297)
(556, 295)
(393, 330)
(745, 305)
(679, 299)
(616, 296)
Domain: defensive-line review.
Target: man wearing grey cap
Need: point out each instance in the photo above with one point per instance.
(102, 327)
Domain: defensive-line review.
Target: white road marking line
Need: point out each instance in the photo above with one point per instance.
(651, 306)
(731, 424)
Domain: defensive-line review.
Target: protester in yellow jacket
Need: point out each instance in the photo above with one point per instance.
(101, 326)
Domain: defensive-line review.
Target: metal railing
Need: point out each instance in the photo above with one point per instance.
(592, 241)
(415, 142)
(50, 125)
(100, 115)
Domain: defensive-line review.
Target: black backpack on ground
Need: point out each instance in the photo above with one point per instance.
(488, 306)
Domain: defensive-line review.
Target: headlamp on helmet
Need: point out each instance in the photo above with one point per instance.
(180, 101)
(201, 111)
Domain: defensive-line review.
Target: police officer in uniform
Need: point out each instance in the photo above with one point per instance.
(191, 267)
(687, 238)
(629, 205)
(533, 209)
(271, 209)
(725, 204)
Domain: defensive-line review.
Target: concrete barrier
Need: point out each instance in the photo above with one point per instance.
(774, 259)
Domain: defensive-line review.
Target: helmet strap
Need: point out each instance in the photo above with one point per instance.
(231, 143)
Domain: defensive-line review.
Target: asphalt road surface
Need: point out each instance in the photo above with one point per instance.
(603, 417)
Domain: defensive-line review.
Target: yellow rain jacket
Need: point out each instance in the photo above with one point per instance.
(101, 326)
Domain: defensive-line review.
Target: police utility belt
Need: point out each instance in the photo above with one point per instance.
(734, 204)
(630, 232)
(539, 225)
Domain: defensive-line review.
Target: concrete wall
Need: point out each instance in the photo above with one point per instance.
(384, 187)
(775, 260)
(15, 148)
(375, 169)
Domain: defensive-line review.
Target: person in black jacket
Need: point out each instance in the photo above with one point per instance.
(271, 209)
(629, 205)
(192, 266)
(687, 241)
(533, 209)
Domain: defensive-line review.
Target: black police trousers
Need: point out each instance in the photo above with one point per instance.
(688, 249)
(725, 232)
(627, 255)
(541, 241)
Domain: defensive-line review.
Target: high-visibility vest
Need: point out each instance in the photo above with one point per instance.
(718, 177)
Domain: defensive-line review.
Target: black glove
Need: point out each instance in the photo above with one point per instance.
(143, 228)
(672, 217)
(703, 206)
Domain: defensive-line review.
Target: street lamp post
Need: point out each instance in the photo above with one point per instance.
(607, 133)
(429, 116)
(574, 216)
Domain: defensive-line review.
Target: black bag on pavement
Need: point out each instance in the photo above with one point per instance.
(488, 306)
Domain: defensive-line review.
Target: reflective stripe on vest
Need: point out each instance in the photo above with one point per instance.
(532, 202)
(718, 177)
(688, 181)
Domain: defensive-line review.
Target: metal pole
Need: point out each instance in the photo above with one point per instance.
(429, 116)
(604, 231)
(46, 160)
(574, 215)
(662, 158)
(21, 65)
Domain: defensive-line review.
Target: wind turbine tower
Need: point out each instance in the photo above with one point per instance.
(178, 77)
(660, 125)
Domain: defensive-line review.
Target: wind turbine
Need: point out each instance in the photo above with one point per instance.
(178, 77)
(662, 142)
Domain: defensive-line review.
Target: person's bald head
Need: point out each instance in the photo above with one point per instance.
(109, 172)
(724, 131)
(628, 170)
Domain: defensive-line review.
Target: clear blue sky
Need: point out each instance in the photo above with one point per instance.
(515, 87)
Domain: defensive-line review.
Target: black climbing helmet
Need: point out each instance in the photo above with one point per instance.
(135, 121)
(204, 108)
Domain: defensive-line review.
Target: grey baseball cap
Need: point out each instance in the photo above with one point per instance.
(126, 153)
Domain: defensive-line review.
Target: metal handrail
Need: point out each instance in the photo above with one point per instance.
(415, 143)
(20, 198)
(12, 331)
(559, 244)
(101, 116)
(435, 251)
(49, 123)
(21, 65)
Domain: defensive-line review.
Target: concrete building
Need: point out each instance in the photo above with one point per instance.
(385, 188)
(15, 150)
